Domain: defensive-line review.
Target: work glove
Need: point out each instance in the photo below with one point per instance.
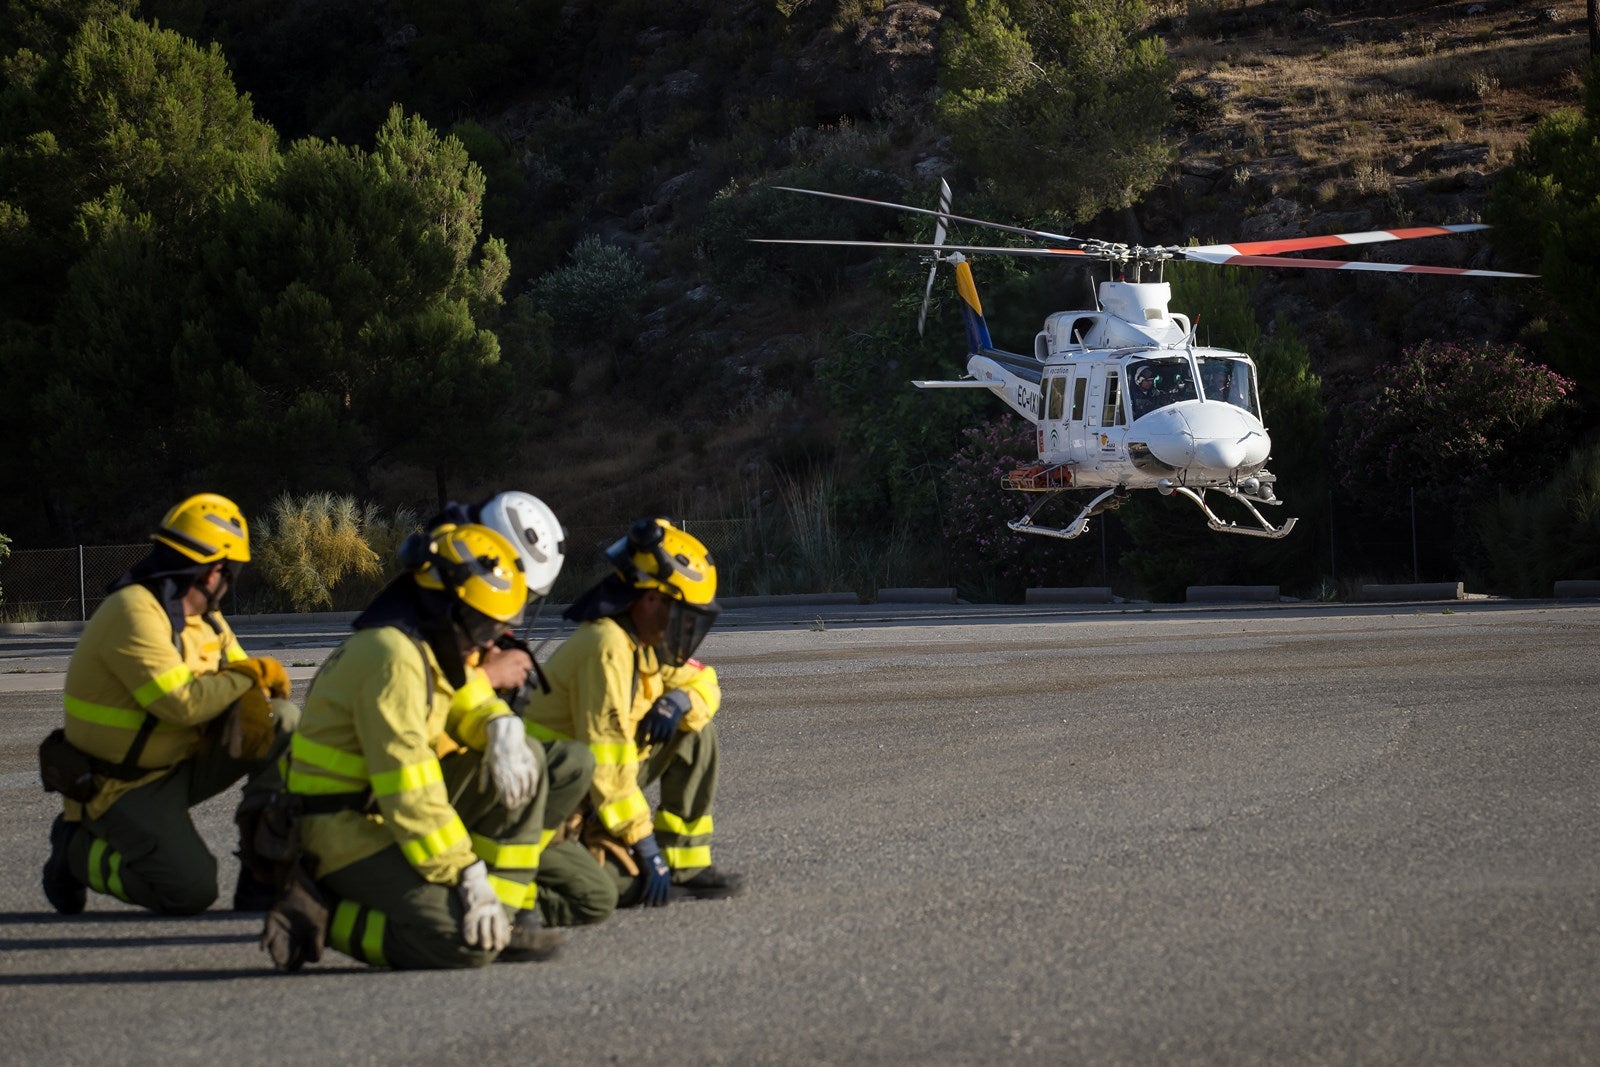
(661, 721)
(509, 761)
(655, 872)
(483, 920)
(250, 726)
(266, 672)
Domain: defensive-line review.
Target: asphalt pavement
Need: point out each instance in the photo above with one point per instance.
(1276, 834)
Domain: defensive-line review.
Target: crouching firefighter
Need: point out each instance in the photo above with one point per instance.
(411, 861)
(627, 685)
(163, 710)
(572, 888)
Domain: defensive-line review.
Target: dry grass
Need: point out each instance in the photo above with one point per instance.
(1352, 101)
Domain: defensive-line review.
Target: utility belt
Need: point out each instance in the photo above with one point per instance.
(67, 769)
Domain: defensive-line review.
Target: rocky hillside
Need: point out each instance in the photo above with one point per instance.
(1291, 120)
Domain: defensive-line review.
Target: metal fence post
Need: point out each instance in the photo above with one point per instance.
(83, 595)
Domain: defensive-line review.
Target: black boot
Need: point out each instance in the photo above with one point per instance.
(530, 942)
(61, 887)
(709, 884)
(251, 893)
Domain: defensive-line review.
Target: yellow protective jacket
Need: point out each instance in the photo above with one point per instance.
(601, 685)
(127, 668)
(371, 721)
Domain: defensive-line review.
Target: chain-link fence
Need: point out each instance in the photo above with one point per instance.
(64, 584)
(50, 584)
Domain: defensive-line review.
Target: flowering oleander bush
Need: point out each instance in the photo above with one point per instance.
(988, 557)
(1453, 422)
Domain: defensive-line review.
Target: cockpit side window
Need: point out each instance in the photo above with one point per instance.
(1155, 383)
(1229, 380)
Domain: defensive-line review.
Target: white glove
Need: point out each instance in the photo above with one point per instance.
(510, 761)
(483, 923)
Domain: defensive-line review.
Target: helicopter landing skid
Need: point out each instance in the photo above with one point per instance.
(1224, 526)
(1073, 528)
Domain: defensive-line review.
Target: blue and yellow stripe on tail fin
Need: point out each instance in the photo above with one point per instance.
(971, 309)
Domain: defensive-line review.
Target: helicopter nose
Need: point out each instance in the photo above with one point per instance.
(1219, 455)
(1211, 434)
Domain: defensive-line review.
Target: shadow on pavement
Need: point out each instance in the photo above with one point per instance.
(54, 943)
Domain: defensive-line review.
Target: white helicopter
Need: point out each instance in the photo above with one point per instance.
(1119, 394)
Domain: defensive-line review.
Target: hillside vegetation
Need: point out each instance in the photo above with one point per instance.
(550, 207)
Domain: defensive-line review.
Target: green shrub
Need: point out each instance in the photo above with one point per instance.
(597, 295)
(1548, 534)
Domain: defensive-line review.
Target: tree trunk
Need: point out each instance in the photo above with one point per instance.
(1594, 29)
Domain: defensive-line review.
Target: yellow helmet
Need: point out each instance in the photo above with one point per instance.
(658, 555)
(207, 528)
(479, 566)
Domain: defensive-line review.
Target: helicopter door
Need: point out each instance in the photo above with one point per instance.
(1107, 421)
(1075, 414)
(1052, 422)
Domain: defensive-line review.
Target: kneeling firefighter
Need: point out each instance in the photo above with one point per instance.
(627, 685)
(420, 862)
(571, 888)
(163, 711)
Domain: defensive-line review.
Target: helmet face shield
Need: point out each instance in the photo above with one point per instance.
(477, 629)
(687, 626)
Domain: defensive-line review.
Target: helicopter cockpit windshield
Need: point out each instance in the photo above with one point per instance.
(1229, 380)
(1155, 383)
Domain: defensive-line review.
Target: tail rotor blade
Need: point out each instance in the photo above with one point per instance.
(938, 241)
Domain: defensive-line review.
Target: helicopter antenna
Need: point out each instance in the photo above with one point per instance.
(938, 241)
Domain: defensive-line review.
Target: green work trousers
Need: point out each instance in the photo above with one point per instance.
(145, 849)
(574, 890)
(384, 913)
(686, 767)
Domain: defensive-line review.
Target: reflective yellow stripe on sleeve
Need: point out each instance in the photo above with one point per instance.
(615, 753)
(234, 653)
(419, 850)
(619, 813)
(166, 682)
(412, 776)
(672, 824)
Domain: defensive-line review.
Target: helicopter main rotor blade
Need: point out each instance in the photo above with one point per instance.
(936, 248)
(1043, 235)
(1228, 260)
(1335, 240)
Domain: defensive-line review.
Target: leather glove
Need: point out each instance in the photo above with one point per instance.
(661, 721)
(251, 725)
(655, 872)
(266, 672)
(483, 920)
(509, 761)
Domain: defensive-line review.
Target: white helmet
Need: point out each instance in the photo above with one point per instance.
(529, 524)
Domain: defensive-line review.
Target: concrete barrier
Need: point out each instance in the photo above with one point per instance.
(779, 600)
(917, 596)
(1577, 589)
(1416, 591)
(1199, 594)
(1088, 594)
